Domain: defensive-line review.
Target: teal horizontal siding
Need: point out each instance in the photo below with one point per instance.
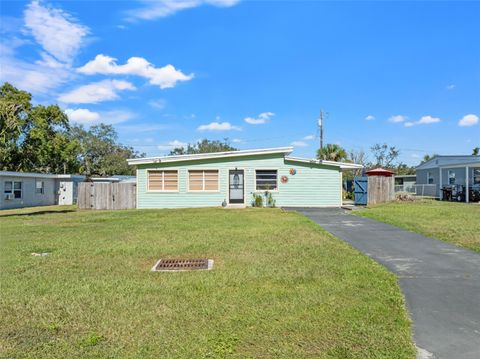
(313, 185)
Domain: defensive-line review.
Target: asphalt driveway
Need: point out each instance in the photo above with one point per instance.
(441, 282)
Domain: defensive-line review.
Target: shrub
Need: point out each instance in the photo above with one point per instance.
(257, 200)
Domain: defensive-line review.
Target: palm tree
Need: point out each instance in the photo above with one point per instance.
(332, 152)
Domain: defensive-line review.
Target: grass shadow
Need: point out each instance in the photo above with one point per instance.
(34, 213)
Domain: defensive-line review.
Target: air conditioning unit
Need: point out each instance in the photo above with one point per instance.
(8, 196)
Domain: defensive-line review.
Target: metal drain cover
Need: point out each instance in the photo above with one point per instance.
(170, 265)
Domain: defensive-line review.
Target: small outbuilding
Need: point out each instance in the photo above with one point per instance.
(27, 189)
(235, 178)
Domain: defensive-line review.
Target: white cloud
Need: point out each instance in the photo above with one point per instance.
(41, 77)
(141, 128)
(468, 120)
(116, 116)
(171, 145)
(424, 120)
(158, 104)
(237, 140)
(309, 137)
(59, 36)
(82, 115)
(261, 119)
(165, 77)
(397, 118)
(299, 144)
(96, 92)
(86, 117)
(55, 30)
(370, 118)
(451, 87)
(162, 8)
(218, 126)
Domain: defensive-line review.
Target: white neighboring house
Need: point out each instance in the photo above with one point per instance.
(26, 189)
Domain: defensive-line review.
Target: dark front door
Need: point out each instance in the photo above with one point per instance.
(235, 186)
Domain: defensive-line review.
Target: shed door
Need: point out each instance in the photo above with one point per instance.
(360, 189)
(235, 186)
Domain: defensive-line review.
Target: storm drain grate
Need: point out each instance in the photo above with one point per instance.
(166, 265)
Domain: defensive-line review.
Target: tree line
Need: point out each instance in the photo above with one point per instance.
(38, 138)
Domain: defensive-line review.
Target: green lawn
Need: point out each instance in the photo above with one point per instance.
(457, 223)
(281, 287)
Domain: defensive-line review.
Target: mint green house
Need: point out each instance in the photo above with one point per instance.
(233, 178)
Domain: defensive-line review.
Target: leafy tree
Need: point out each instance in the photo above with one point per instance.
(427, 158)
(204, 146)
(46, 146)
(358, 157)
(332, 152)
(476, 151)
(384, 155)
(14, 109)
(403, 169)
(99, 152)
(33, 138)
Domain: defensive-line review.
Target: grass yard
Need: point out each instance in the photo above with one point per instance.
(281, 287)
(457, 223)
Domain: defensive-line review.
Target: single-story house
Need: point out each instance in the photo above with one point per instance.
(443, 171)
(26, 189)
(232, 178)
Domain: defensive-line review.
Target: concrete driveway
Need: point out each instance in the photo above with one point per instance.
(441, 282)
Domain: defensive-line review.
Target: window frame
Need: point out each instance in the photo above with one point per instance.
(12, 189)
(475, 169)
(255, 180)
(430, 177)
(163, 190)
(203, 180)
(449, 177)
(42, 189)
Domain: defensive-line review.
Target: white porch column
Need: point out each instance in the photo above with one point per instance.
(440, 192)
(466, 185)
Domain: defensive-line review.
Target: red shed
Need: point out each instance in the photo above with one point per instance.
(381, 172)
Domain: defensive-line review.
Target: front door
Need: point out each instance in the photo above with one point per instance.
(235, 186)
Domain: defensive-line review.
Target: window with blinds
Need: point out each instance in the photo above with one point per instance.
(203, 180)
(266, 180)
(163, 181)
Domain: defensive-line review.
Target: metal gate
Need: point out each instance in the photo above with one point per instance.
(360, 185)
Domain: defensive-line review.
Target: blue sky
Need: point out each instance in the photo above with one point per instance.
(169, 72)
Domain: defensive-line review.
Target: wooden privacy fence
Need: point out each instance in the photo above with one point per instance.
(380, 189)
(106, 195)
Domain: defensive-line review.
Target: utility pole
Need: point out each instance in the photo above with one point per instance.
(320, 126)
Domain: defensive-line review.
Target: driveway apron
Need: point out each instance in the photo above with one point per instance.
(441, 282)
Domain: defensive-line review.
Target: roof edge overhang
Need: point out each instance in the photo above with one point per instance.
(38, 175)
(342, 165)
(211, 155)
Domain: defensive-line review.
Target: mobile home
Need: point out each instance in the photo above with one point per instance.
(234, 178)
(26, 189)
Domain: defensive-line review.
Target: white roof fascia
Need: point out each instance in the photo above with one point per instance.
(37, 175)
(212, 155)
(342, 165)
(466, 164)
